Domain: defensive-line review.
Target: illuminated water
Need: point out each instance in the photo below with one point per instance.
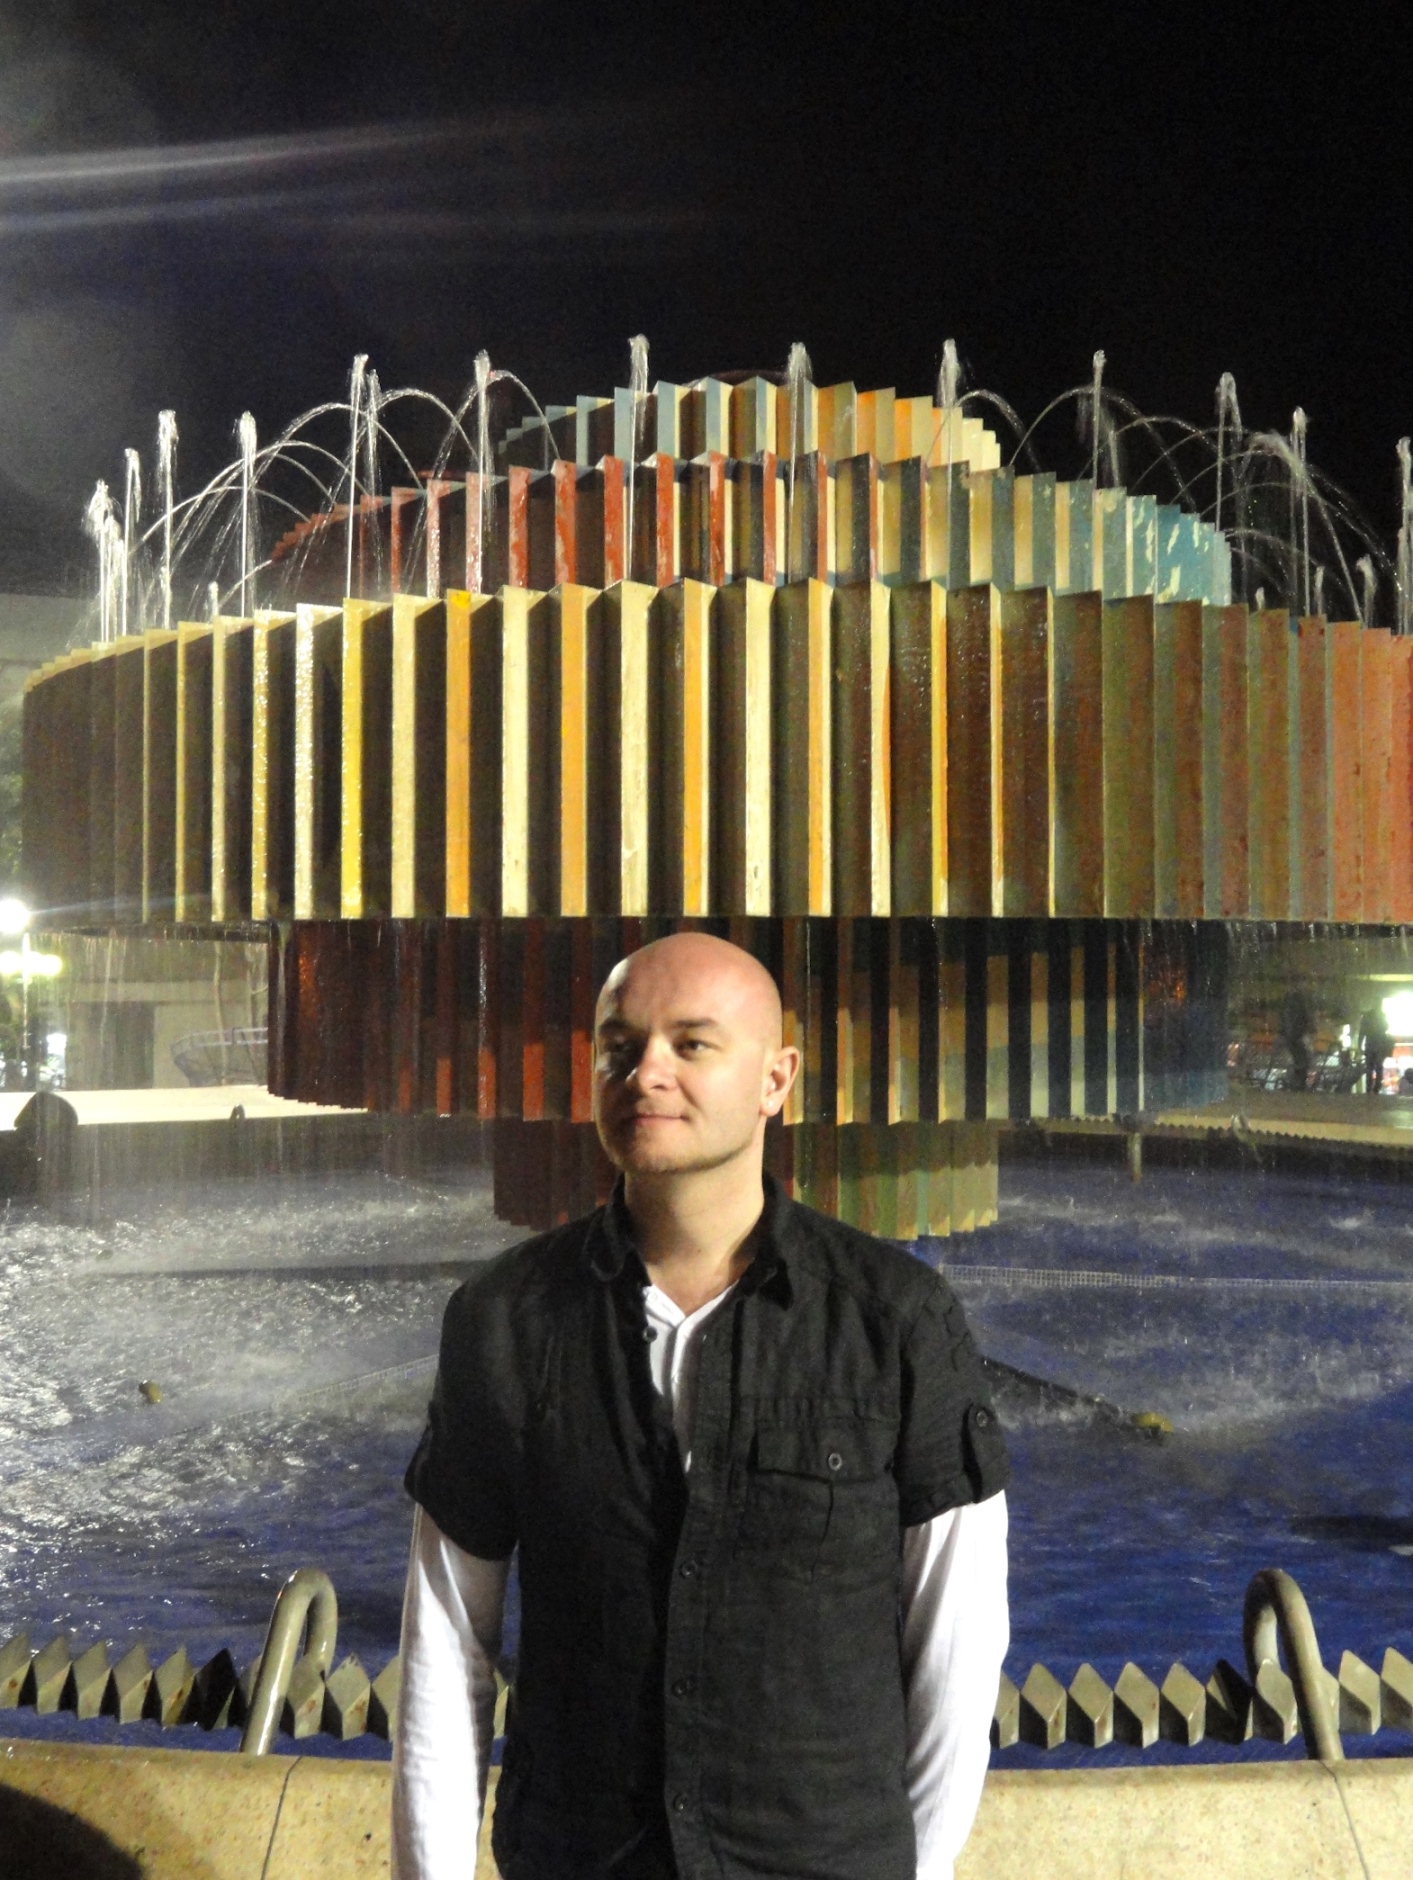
(255, 1306)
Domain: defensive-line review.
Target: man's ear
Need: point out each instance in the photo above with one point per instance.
(780, 1075)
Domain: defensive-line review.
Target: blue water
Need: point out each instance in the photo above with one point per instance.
(1290, 1394)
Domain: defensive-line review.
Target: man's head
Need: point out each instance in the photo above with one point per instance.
(688, 1059)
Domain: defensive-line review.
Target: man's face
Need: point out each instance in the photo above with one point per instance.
(687, 1062)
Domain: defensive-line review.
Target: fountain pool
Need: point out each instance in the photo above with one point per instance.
(1270, 1318)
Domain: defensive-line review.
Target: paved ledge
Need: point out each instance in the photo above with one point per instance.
(206, 1103)
(116, 1814)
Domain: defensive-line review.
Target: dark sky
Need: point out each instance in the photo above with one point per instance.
(214, 206)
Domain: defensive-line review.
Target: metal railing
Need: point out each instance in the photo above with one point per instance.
(307, 1610)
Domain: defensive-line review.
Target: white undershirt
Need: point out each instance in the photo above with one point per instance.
(956, 1630)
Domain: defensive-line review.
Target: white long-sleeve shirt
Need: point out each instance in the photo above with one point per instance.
(956, 1629)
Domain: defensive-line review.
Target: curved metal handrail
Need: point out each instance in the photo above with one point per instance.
(1276, 1615)
(306, 1603)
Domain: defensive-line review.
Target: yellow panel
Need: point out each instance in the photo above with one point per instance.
(803, 849)
(574, 734)
(317, 675)
(458, 752)
(742, 735)
(365, 872)
(419, 766)
(515, 605)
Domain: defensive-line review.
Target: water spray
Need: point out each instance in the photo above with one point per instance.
(1097, 415)
(949, 385)
(166, 478)
(798, 376)
(355, 403)
(1369, 581)
(483, 475)
(246, 432)
(637, 392)
(132, 510)
(102, 527)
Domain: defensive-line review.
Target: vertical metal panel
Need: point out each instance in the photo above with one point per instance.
(99, 806)
(128, 670)
(680, 879)
(801, 674)
(918, 748)
(575, 733)
(318, 762)
(1128, 756)
(620, 833)
(1225, 762)
(1268, 731)
(1077, 755)
(1345, 648)
(741, 749)
(1401, 783)
(194, 805)
(274, 768)
(159, 775)
(1310, 778)
(1020, 753)
(1177, 759)
(231, 768)
(365, 693)
(860, 746)
(419, 757)
(969, 809)
(1377, 778)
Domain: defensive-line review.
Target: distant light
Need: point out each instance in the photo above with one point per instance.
(27, 964)
(1398, 1010)
(14, 915)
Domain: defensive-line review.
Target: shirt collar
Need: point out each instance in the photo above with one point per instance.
(611, 1249)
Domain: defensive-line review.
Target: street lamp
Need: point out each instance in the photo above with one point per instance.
(25, 963)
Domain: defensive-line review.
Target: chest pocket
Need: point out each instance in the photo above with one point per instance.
(820, 1494)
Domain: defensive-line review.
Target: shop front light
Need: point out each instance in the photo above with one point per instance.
(1398, 1012)
(25, 963)
(14, 916)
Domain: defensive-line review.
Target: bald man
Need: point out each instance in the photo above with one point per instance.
(754, 1479)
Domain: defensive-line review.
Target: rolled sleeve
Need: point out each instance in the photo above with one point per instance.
(951, 1449)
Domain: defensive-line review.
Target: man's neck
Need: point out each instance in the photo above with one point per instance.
(696, 1232)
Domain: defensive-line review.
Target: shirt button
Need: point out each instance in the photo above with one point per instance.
(834, 1459)
(682, 1687)
(648, 1334)
(679, 1804)
(983, 1417)
(688, 1569)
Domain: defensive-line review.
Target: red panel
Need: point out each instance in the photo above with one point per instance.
(566, 556)
(518, 525)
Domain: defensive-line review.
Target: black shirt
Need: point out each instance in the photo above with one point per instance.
(714, 1657)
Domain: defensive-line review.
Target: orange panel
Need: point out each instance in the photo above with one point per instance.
(1401, 784)
(1345, 642)
(1268, 732)
(1310, 781)
(1232, 762)
(1187, 759)
(1378, 778)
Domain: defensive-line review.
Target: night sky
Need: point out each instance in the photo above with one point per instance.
(214, 206)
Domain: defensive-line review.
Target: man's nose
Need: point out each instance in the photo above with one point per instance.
(653, 1069)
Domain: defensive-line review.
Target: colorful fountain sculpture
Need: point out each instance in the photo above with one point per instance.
(980, 762)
